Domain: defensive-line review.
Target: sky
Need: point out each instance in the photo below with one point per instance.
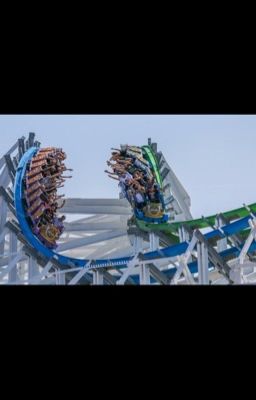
(212, 155)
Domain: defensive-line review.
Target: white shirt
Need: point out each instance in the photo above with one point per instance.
(139, 198)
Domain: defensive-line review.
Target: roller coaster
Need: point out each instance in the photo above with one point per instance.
(146, 236)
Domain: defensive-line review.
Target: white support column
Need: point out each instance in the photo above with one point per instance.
(79, 275)
(98, 277)
(11, 264)
(36, 280)
(130, 268)
(33, 268)
(2, 241)
(13, 246)
(183, 264)
(138, 244)
(236, 274)
(248, 243)
(237, 269)
(57, 274)
(182, 235)
(182, 268)
(144, 274)
(4, 177)
(222, 244)
(203, 264)
(199, 262)
(23, 268)
(3, 217)
(60, 275)
(62, 278)
(153, 241)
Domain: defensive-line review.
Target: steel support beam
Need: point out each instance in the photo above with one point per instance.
(31, 139)
(13, 246)
(60, 277)
(11, 264)
(36, 280)
(214, 256)
(73, 202)
(4, 177)
(183, 264)
(138, 244)
(5, 194)
(158, 275)
(78, 276)
(93, 227)
(222, 244)
(101, 237)
(98, 277)
(33, 268)
(21, 147)
(3, 217)
(144, 274)
(153, 241)
(12, 149)
(96, 210)
(203, 264)
(130, 268)
(248, 242)
(10, 166)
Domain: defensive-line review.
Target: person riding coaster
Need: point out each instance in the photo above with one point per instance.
(138, 184)
(41, 186)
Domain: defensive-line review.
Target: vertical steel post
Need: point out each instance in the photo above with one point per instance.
(138, 244)
(3, 217)
(222, 244)
(144, 274)
(153, 241)
(33, 269)
(98, 277)
(13, 246)
(203, 264)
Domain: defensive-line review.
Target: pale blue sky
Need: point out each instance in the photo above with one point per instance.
(213, 156)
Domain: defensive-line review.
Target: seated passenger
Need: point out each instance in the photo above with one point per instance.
(143, 166)
(126, 178)
(139, 200)
(151, 194)
(62, 205)
(58, 222)
(123, 189)
(138, 176)
(115, 156)
(136, 186)
(159, 196)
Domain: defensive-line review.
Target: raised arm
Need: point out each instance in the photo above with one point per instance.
(110, 173)
(113, 177)
(62, 205)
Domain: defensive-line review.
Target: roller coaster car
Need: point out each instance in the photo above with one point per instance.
(38, 181)
(140, 182)
(153, 213)
(50, 233)
(153, 210)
